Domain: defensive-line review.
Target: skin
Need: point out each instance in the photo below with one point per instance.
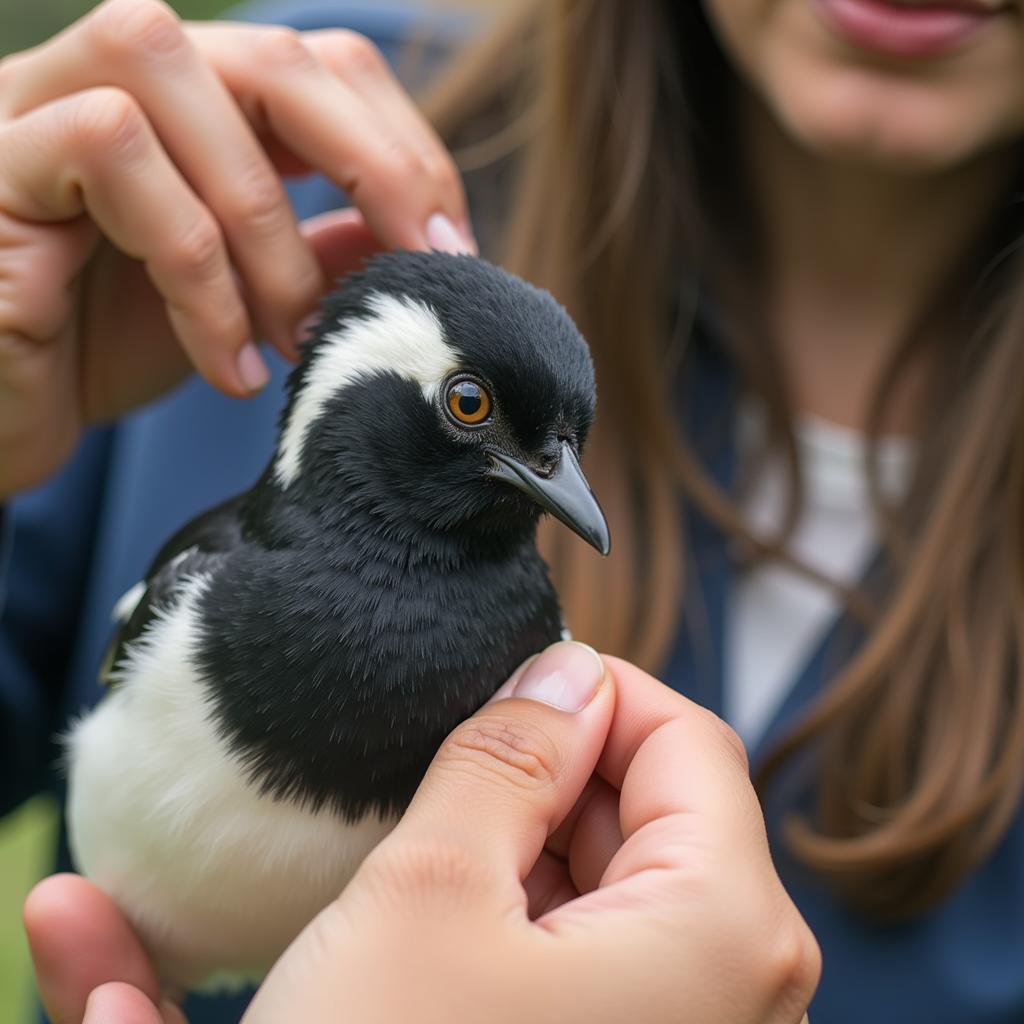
(871, 176)
(600, 864)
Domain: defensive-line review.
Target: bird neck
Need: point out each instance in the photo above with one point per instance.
(311, 516)
(345, 648)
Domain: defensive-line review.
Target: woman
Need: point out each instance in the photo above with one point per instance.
(764, 214)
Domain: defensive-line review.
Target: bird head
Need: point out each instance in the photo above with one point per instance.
(442, 391)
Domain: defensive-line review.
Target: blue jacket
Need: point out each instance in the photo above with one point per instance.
(73, 546)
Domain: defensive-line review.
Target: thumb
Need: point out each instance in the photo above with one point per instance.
(118, 1003)
(504, 779)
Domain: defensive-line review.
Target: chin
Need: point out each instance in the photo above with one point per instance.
(847, 104)
(867, 120)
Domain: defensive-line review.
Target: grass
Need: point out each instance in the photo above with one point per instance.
(26, 845)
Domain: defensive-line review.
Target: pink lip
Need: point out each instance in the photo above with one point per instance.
(901, 31)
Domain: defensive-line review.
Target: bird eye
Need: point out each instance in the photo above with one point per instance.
(468, 402)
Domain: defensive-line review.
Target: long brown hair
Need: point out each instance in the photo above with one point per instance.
(603, 121)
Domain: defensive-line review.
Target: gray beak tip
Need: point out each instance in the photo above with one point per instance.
(564, 493)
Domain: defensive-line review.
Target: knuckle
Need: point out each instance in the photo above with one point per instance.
(226, 322)
(410, 872)
(401, 164)
(429, 864)
(260, 202)
(222, 330)
(440, 169)
(134, 29)
(809, 968)
(727, 737)
(734, 744)
(515, 751)
(108, 121)
(354, 54)
(283, 48)
(198, 249)
(793, 966)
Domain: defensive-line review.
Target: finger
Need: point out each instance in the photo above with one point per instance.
(79, 940)
(357, 62)
(647, 706)
(328, 124)
(36, 268)
(591, 836)
(117, 1003)
(694, 862)
(548, 885)
(95, 152)
(505, 778)
(341, 241)
(142, 47)
(683, 780)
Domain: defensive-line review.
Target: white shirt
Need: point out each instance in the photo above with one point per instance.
(776, 616)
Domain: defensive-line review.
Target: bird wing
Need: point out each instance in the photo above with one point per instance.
(197, 548)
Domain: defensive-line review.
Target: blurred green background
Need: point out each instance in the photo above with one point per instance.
(26, 846)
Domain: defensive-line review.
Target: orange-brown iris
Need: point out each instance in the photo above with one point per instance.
(468, 402)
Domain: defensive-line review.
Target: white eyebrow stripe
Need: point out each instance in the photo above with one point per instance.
(402, 336)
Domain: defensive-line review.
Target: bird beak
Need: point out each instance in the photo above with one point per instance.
(564, 492)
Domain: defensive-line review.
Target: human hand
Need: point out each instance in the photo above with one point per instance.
(604, 865)
(143, 223)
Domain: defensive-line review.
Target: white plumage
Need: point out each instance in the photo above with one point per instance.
(209, 871)
(403, 336)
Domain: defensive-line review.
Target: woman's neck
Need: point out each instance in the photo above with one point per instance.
(852, 255)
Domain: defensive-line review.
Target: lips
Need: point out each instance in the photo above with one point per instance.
(901, 28)
(977, 6)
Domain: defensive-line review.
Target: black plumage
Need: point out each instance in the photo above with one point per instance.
(352, 616)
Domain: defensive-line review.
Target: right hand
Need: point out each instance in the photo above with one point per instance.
(605, 862)
(143, 224)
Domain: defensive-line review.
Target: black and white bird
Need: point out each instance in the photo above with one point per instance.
(293, 659)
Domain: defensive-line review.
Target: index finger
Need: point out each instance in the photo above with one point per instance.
(80, 941)
(344, 126)
(670, 756)
(118, 1003)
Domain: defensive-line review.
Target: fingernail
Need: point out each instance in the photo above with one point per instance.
(506, 689)
(566, 676)
(445, 237)
(252, 371)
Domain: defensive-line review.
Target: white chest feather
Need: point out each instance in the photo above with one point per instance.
(216, 878)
